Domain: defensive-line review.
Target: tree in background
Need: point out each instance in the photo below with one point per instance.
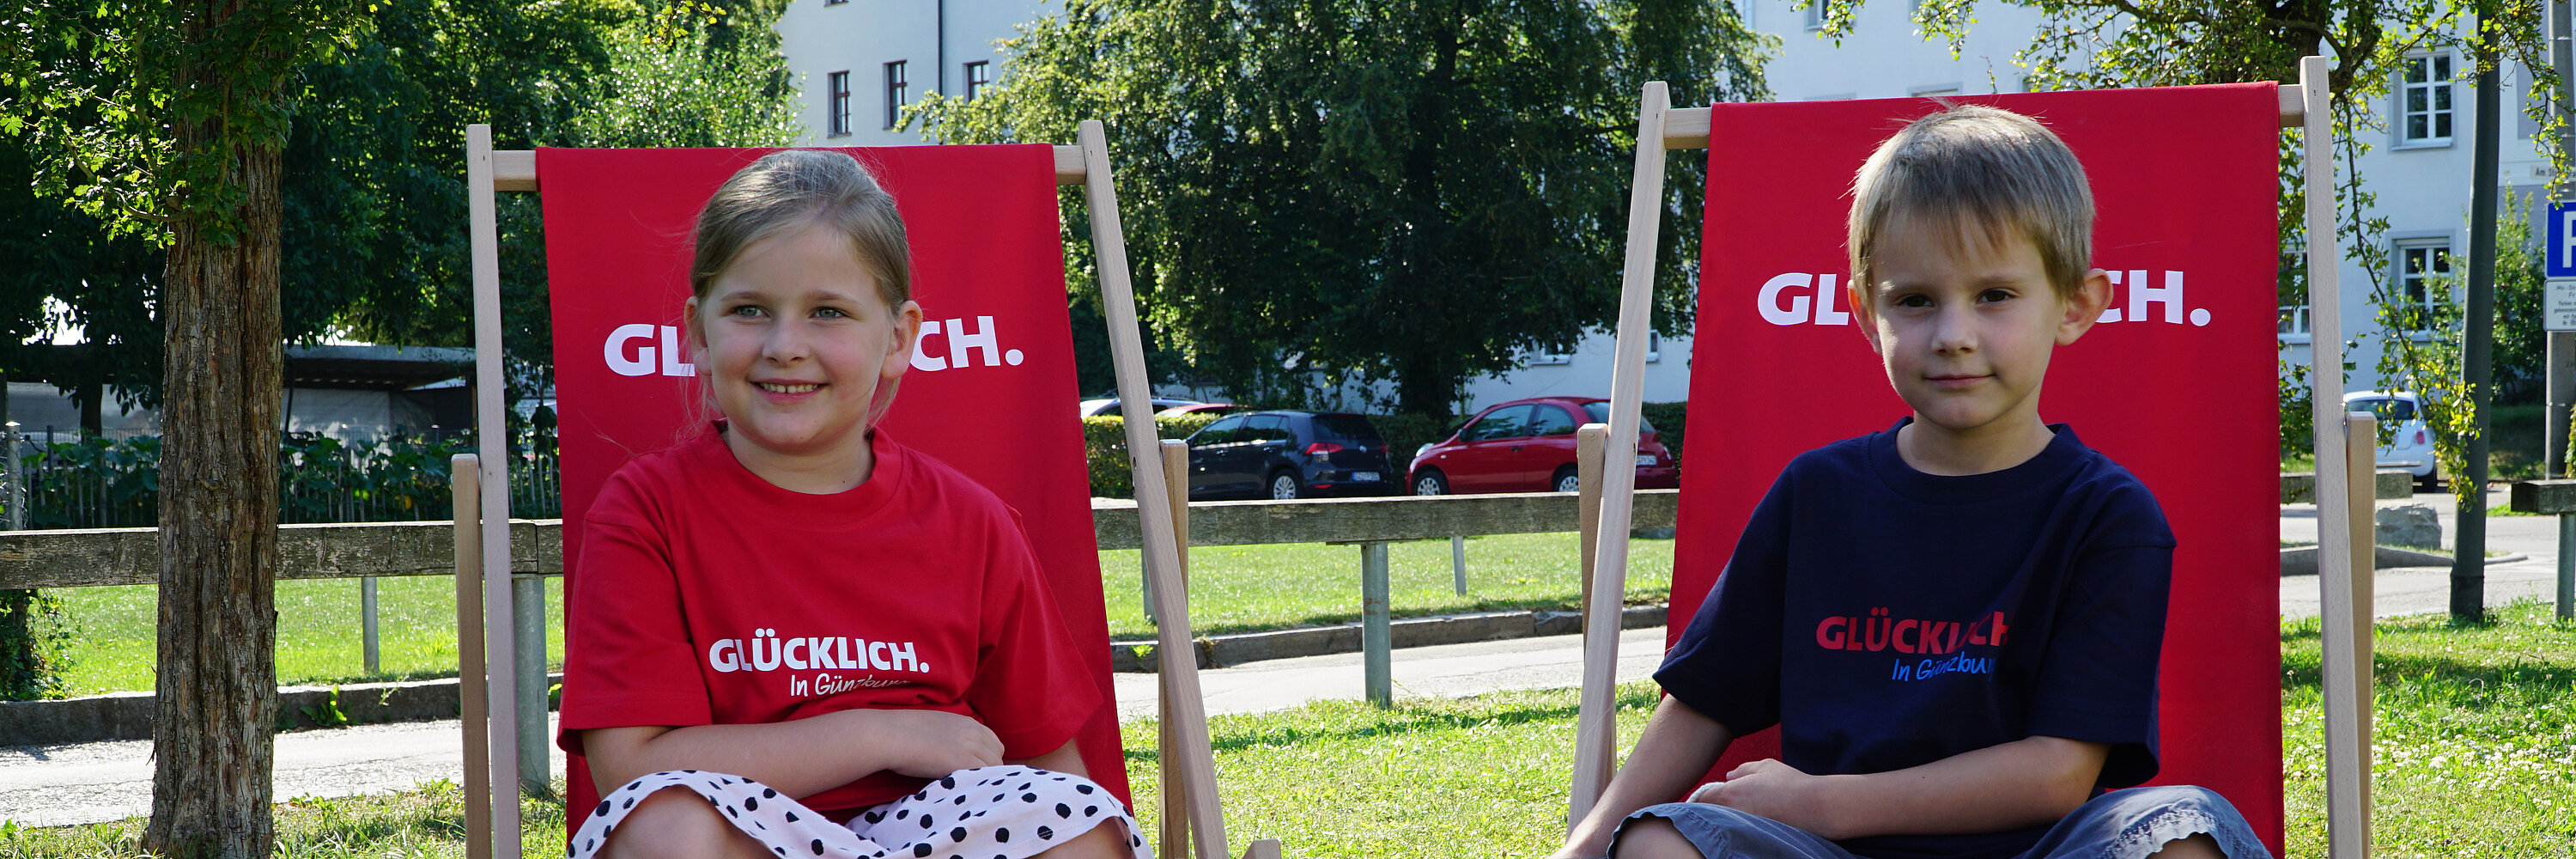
(1337, 190)
(169, 122)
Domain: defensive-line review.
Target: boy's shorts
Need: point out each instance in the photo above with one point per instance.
(2122, 824)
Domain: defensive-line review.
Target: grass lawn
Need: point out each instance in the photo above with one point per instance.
(1242, 588)
(1233, 588)
(2475, 753)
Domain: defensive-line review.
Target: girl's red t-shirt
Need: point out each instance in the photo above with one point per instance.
(706, 595)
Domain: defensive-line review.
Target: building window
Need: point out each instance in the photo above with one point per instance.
(2419, 263)
(896, 93)
(839, 104)
(2294, 324)
(979, 75)
(1815, 14)
(2424, 101)
(834, 2)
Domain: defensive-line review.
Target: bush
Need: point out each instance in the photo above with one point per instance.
(1668, 419)
(35, 644)
(1406, 433)
(1104, 449)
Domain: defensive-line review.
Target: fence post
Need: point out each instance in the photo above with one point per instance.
(1458, 563)
(367, 623)
(17, 481)
(1376, 646)
(528, 629)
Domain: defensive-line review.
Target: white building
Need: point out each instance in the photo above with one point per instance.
(863, 61)
(862, 58)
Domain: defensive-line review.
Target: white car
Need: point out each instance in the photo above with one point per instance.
(2411, 447)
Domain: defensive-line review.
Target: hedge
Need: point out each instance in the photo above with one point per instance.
(1104, 449)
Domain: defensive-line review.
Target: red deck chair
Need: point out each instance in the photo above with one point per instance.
(990, 392)
(2177, 383)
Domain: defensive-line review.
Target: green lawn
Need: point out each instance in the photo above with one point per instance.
(1233, 589)
(317, 632)
(2475, 753)
(1241, 588)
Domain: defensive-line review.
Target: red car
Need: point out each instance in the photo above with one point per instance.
(1528, 446)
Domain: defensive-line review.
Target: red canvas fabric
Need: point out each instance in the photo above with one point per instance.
(2184, 182)
(991, 391)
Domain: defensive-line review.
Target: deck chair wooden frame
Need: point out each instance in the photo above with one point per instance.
(2343, 493)
(483, 553)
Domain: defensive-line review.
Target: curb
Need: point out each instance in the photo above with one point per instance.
(128, 715)
(1220, 651)
(2302, 560)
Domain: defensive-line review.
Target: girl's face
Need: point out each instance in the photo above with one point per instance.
(796, 342)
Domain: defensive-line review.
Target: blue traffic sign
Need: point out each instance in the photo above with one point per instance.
(2562, 240)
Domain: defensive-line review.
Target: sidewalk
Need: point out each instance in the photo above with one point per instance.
(2419, 590)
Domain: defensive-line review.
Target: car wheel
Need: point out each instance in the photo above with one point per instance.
(1567, 480)
(1284, 487)
(1430, 483)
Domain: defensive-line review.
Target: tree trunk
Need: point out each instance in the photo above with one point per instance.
(222, 370)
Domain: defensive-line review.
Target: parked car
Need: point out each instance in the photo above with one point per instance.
(2411, 447)
(1209, 409)
(1528, 446)
(1109, 406)
(1290, 454)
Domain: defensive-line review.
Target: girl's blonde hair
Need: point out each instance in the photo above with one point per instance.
(789, 189)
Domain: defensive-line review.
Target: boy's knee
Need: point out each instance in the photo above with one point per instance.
(1652, 838)
(674, 823)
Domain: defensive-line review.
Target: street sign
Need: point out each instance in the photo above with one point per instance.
(2558, 304)
(2562, 242)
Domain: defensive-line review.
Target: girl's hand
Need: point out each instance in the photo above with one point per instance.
(929, 743)
(1775, 790)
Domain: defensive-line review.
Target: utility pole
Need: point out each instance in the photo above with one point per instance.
(2469, 562)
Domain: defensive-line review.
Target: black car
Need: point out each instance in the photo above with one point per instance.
(1290, 454)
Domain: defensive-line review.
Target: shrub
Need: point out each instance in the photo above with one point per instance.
(1668, 419)
(35, 646)
(1104, 449)
(1406, 433)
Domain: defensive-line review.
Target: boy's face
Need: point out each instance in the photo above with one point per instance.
(1965, 326)
(795, 341)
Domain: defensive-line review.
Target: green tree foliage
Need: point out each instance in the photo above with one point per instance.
(1408, 192)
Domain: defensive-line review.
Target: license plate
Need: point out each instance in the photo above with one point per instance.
(1645, 460)
(1364, 477)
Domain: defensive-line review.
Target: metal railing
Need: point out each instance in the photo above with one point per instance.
(53, 482)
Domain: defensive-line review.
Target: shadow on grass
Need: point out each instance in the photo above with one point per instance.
(1427, 717)
(2463, 684)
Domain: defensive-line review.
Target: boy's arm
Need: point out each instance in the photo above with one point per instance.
(1676, 749)
(2027, 782)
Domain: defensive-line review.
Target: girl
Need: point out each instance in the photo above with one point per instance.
(794, 636)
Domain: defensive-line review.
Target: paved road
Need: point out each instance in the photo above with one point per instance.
(93, 782)
(2418, 590)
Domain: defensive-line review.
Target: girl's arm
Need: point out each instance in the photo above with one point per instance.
(801, 757)
(2027, 782)
(1065, 759)
(1677, 748)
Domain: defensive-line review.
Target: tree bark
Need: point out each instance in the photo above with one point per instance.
(222, 371)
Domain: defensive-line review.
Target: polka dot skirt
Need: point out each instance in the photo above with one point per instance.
(1003, 812)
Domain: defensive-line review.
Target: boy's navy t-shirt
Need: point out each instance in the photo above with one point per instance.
(1886, 618)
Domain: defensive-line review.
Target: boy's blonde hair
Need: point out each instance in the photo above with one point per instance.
(788, 189)
(1976, 168)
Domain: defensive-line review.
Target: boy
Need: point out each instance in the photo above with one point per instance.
(2018, 578)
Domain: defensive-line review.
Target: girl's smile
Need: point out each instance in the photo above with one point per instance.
(801, 353)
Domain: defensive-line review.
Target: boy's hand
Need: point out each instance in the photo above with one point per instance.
(1775, 790)
(929, 743)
